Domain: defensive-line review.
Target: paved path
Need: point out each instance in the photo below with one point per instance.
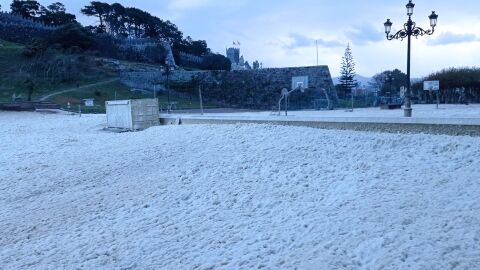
(44, 98)
(444, 126)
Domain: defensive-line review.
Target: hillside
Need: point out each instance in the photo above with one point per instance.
(98, 79)
(17, 69)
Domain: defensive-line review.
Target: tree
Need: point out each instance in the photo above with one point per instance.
(452, 81)
(256, 65)
(389, 82)
(136, 20)
(195, 47)
(72, 35)
(216, 62)
(199, 48)
(55, 14)
(56, 7)
(34, 48)
(98, 9)
(25, 8)
(116, 20)
(347, 72)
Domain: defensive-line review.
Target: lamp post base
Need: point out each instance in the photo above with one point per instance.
(407, 112)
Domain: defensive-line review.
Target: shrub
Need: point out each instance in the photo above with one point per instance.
(216, 62)
(72, 35)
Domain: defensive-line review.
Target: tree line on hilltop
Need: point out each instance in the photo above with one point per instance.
(52, 15)
(116, 22)
(455, 84)
(121, 21)
(59, 50)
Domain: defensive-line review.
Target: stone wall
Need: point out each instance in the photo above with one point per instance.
(17, 29)
(256, 89)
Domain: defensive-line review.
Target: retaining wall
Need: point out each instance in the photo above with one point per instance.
(454, 127)
(256, 89)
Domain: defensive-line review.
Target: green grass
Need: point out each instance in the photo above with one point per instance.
(112, 91)
(10, 85)
(12, 60)
(100, 93)
(12, 82)
(10, 45)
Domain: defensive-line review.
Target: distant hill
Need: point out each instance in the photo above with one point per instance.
(360, 79)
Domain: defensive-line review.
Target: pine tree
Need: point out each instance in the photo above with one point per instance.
(347, 72)
(98, 9)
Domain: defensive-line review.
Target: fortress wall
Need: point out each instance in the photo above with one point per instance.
(258, 89)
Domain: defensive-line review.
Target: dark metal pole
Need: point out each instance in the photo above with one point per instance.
(438, 98)
(410, 29)
(408, 95)
(168, 86)
(200, 97)
(168, 90)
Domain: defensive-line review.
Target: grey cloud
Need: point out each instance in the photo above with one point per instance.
(452, 38)
(329, 43)
(300, 41)
(365, 34)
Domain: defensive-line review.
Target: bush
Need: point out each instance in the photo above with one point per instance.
(216, 62)
(72, 35)
(155, 54)
(34, 48)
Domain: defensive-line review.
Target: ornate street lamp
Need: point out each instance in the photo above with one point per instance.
(410, 7)
(410, 29)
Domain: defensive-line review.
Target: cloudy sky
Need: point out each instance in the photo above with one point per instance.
(282, 33)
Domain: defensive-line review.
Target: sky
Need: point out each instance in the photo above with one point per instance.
(282, 33)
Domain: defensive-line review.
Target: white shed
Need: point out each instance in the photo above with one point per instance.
(89, 102)
(135, 114)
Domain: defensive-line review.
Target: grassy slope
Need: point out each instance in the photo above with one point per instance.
(11, 61)
(109, 91)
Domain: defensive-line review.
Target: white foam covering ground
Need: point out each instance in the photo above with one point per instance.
(233, 197)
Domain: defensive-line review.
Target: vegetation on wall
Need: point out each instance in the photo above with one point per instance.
(454, 83)
(216, 62)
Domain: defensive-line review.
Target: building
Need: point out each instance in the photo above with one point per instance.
(233, 54)
(238, 62)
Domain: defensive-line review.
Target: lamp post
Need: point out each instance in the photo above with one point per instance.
(410, 29)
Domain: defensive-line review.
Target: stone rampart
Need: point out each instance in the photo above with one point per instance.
(258, 89)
